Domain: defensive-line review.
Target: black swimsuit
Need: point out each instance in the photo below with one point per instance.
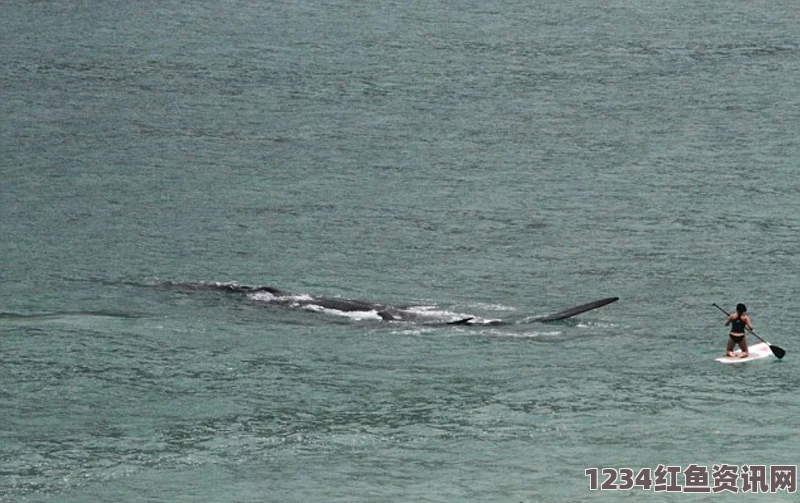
(737, 327)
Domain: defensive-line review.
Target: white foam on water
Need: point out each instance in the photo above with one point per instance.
(595, 324)
(300, 297)
(527, 334)
(434, 312)
(262, 296)
(492, 307)
(353, 315)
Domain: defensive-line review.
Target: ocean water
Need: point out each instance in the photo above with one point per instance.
(160, 162)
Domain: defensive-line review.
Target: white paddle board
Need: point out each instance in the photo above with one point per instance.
(756, 352)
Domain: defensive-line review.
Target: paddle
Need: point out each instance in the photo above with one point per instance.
(778, 352)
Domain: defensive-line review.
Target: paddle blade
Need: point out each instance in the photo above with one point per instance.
(778, 352)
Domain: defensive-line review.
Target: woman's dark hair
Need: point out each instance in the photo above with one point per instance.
(741, 308)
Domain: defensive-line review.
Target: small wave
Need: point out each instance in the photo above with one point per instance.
(62, 315)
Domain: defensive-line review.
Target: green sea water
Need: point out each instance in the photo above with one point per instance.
(501, 160)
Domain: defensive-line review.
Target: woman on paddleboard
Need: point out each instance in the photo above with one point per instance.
(738, 322)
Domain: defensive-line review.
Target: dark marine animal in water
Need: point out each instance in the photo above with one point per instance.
(364, 309)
